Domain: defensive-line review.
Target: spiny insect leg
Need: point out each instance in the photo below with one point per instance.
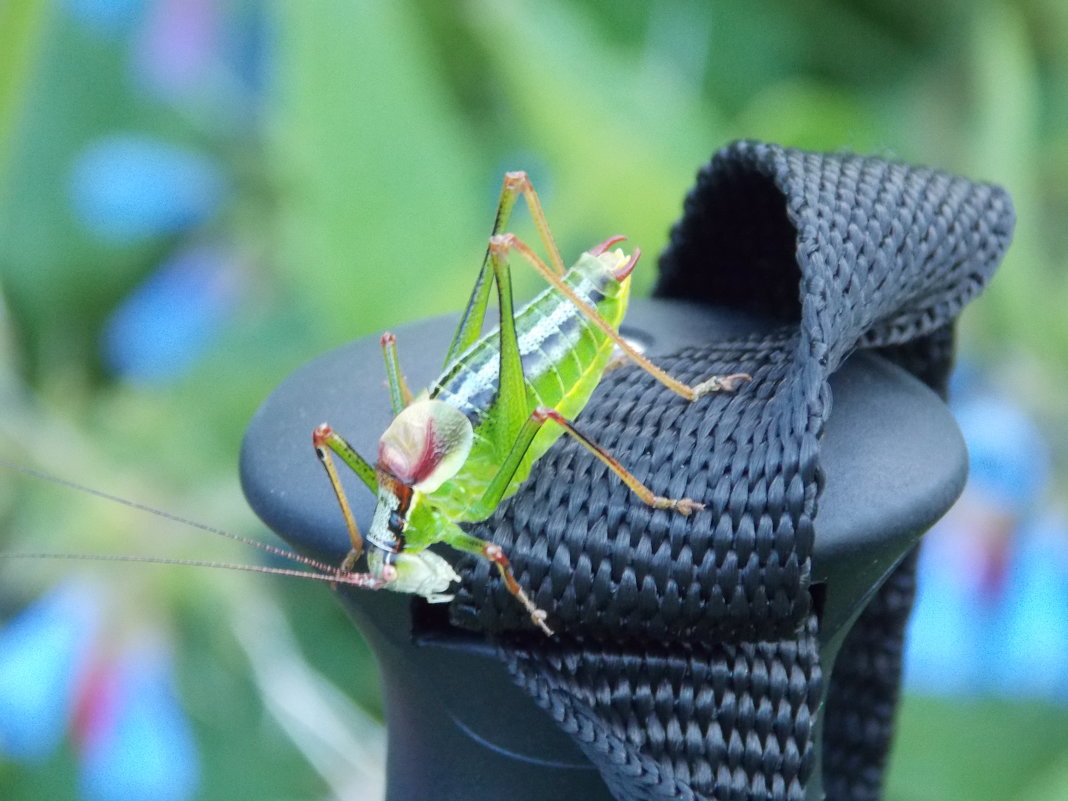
(683, 505)
(470, 327)
(520, 182)
(512, 402)
(726, 383)
(325, 435)
(495, 554)
(497, 488)
(325, 440)
(399, 394)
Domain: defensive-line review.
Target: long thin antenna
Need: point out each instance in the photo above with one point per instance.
(285, 553)
(334, 576)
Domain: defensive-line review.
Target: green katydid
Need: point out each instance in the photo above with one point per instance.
(452, 454)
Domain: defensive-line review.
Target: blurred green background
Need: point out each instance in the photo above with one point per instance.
(350, 155)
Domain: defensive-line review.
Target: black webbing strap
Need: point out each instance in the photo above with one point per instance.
(687, 663)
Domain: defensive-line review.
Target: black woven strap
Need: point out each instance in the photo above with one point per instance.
(687, 664)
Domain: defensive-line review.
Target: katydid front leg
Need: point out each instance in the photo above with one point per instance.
(325, 440)
(418, 571)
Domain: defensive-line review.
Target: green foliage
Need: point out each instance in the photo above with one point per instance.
(364, 181)
(979, 748)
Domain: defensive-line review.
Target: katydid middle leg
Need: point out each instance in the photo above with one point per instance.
(399, 394)
(498, 486)
(469, 543)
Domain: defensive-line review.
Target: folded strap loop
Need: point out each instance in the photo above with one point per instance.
(687, 662)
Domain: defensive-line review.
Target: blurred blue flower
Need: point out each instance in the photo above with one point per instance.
(171, 319)
(106, 16)
(1008, 458)
(946, 644)
(249, 51)
(992, 605)
(178, 46)
(1033, 631)
(138, 743)
(44, 653)
(134, 739)
(128, 186)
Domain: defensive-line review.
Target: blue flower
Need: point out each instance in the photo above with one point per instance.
(992, 607)
(44, 653)
(178, 47)
(167, 323)
(106, 16)
(1008, 458)
(945, 641)
(1033, 635)
(139, 743)
(127, 187)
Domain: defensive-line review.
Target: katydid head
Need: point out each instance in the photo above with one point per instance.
(424, 446)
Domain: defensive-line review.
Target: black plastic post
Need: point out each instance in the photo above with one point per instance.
(458, 729)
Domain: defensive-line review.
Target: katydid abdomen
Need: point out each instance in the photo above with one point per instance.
(563, 354)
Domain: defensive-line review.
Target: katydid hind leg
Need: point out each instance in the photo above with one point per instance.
(519, 183)
(684, 506)
(470, 327)
(512, 404)
(498, 486)
(690, 392)
(514, 185)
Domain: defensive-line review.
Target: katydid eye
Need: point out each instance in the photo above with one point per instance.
(396, 521)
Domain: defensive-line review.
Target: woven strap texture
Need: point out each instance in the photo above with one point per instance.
(687, 663)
